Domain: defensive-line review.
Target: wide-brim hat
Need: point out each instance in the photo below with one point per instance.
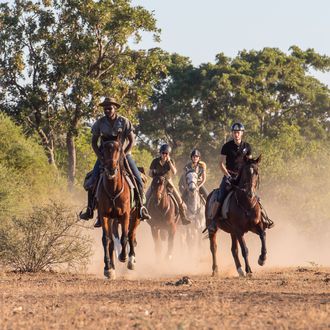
(109, 101)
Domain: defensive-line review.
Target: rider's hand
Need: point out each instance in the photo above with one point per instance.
(229, 178)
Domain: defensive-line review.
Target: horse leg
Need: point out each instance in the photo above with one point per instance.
(155, 236)
(234, 251)
(132, 241)
(171, 233)
(124, 237)
(107, 241)
(213, 248)
(262, 234)
(245, 253)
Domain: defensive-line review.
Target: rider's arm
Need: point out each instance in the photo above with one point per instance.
(130, 144)
(172, 167)
(95, 147)
(203, 177)
(222, 165)
(152, 168)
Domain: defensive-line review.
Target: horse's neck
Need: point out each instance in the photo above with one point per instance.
(165, 200)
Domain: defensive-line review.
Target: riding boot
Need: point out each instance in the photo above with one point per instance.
(144, 213)
(183, 216)
(97, 223)
(89, 214)
(266, 221)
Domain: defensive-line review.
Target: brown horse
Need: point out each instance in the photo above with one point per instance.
(163, 215)
(244, 214)
(113, 198)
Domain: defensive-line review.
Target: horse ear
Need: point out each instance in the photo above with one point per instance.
(258, 160)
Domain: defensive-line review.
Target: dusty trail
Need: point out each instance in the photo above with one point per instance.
(297, 298)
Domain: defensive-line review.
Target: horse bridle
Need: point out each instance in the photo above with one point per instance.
(245, 191)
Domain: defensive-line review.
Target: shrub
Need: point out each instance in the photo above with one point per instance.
(46, 238)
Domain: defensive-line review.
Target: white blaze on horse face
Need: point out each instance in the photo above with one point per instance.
(191, 179)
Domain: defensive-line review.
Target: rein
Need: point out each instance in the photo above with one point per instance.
(113, 198)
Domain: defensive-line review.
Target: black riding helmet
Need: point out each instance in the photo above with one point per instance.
(195, 152)
(237, 127)
(165, 148)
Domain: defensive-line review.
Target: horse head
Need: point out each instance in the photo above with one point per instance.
(191, 181)
(248, 179)
(113, 156)
(158, 188)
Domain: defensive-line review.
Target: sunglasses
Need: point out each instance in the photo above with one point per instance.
(164, 153)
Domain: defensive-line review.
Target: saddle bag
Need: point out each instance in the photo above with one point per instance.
(89, 181)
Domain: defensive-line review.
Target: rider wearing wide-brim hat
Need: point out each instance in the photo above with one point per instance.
(198, 166)
(110, 126)
(164, 166)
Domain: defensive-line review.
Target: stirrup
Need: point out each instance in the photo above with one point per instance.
(144, 214)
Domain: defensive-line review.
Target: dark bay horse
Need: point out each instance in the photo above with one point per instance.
(114, 209)
(244, 214)
(163, 215)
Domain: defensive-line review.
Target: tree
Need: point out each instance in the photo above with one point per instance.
(84, 52)
(264, 89)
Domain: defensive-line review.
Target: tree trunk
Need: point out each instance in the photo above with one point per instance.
(71, 148)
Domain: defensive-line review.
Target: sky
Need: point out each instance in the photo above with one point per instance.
(201, 29)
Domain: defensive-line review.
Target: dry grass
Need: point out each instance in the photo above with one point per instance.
(296, 298)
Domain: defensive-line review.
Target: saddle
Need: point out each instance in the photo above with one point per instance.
(225, 205)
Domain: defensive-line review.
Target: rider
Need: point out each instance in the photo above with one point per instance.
(200, 168)
(105, 128)
(165, 166)
(231, 160)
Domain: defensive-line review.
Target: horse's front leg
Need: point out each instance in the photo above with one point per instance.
(171, 234)
(158, 247)
(245, 253)
(107, 241)
(132, 241)
(213, 248)
(234, 251)
(124, 221)
(262, 234)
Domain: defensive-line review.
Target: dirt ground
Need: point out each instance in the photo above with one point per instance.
(282, 298)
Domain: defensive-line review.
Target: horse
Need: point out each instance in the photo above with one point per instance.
(195, 205)
(164, 216)
(114, 208)
(244, 214)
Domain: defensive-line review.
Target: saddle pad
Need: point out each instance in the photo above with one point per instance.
(225, 205)
(213, 198)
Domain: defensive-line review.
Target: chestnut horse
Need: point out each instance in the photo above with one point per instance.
(244, 214)
(113, 198)
(163, 215)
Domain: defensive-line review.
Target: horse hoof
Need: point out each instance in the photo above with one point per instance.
(215, 273)
(131, 263)
(110, 274)
(248, 274)
(240, 272)
(122, 259)
(261, 261)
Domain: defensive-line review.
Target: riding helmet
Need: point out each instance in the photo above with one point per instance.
(165, 148)
(237, 127)
(195, 152)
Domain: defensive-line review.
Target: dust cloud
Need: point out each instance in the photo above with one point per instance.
(300, 237)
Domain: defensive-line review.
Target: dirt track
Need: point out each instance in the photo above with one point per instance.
(297, 298)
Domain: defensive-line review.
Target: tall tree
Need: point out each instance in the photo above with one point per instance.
(86, 54)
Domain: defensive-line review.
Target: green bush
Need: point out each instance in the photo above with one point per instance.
(49, 237)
